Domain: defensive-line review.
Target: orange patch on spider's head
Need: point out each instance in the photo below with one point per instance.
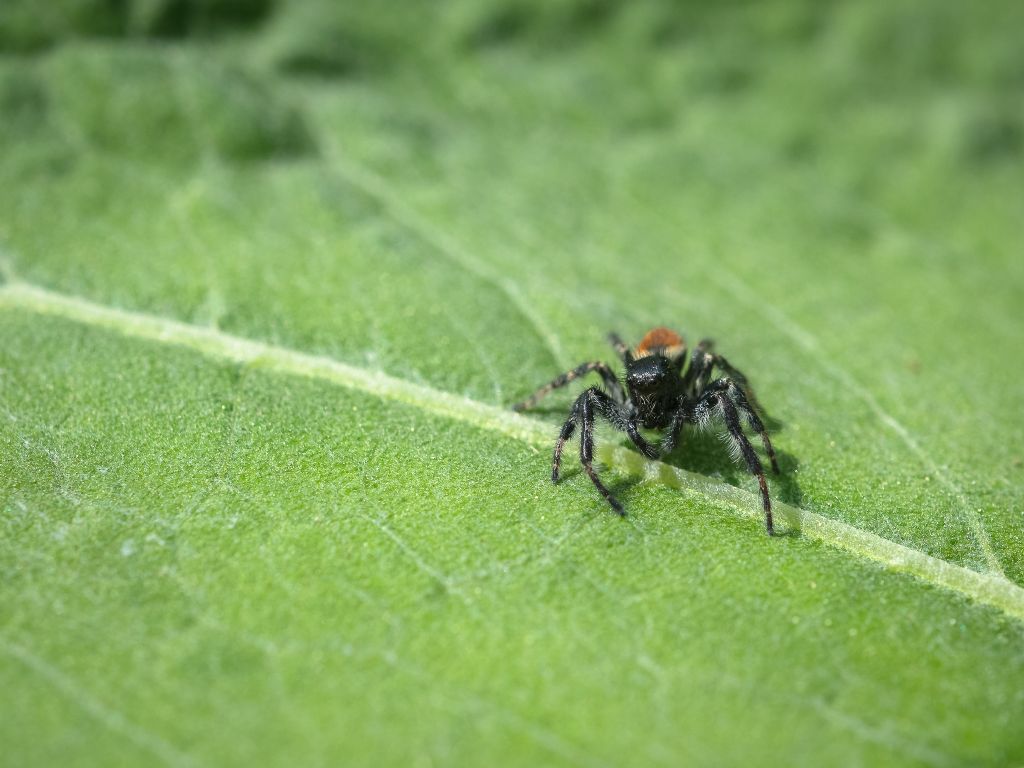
(661, 341)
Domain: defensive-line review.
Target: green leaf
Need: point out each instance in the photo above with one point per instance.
(272, 279)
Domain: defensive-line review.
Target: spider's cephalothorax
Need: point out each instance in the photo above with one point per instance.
(662, 392)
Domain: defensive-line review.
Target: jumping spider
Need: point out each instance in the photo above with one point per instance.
(660, 394)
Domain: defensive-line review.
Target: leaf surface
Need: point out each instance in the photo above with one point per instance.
(271, 287)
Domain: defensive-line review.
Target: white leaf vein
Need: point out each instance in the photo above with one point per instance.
(988, 588)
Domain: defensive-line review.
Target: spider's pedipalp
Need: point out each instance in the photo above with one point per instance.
(681, 414)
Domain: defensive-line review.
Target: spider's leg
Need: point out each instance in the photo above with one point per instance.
(624, 352)
(608, 376)
(621, 418)
(697, 376)
(567, 429)
(722, 399)
(587, 401)
(748, 410)
(739, 378)
(588, 406)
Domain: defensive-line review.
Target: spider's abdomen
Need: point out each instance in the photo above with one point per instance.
(660, 341)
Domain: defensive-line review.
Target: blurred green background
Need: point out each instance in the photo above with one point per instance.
(206, 563)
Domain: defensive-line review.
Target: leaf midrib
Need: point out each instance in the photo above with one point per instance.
(987, 588)
(373, 186)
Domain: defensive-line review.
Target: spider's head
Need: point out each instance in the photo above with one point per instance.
(648, 376)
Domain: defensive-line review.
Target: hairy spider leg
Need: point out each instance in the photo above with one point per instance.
(608, 376)
(588, 405)
(704, 360)
(739, 394)
(563, 437)
(587, 449)
(698, 374)
(730, 414)
(621, 417)
(624, 352)
(739, 378)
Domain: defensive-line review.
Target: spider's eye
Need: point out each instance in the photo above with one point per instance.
(712, 401)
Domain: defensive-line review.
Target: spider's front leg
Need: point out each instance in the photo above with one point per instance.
(738, 394)
(725, 398)
(591, 403)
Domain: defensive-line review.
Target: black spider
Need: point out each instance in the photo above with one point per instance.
(662, 395)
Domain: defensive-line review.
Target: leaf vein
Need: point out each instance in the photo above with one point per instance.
(989, 588)
(811, 345)
(110, 718)
(376, 188)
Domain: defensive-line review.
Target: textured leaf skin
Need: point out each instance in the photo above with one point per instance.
(212, 563)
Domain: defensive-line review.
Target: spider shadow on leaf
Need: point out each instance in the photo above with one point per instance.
(670, 390)
(704, 453)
